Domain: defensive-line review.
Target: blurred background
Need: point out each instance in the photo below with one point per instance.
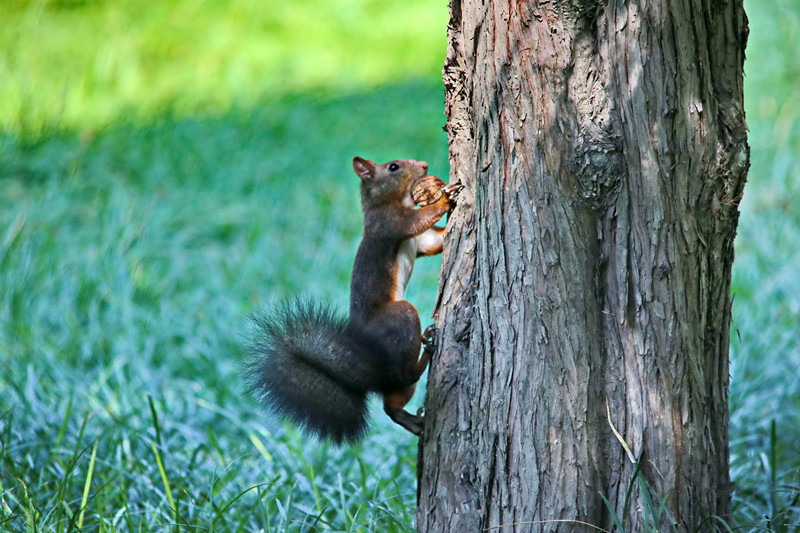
(168, 167)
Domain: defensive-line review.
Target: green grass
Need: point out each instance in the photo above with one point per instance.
(84, 63)
(765, 338)
(166, 170)
(154, 189)
(129, 261)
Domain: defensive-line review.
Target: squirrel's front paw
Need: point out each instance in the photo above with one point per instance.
(452, 191)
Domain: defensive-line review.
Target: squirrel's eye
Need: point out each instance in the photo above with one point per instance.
(393, 167)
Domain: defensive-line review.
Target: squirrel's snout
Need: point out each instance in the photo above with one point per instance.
(424, 166)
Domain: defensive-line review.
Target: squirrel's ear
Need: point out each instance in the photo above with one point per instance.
(364, 168)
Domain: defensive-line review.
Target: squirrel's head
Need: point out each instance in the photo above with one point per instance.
(388, 182)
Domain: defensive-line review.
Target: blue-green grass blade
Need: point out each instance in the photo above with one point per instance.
(88, 483)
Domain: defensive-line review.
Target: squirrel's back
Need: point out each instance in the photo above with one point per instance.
(313, 366)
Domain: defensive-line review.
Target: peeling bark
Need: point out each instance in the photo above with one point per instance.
(603, 150)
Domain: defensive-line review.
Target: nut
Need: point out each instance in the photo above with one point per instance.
(427, 190)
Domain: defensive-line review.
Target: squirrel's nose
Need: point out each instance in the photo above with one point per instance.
(424, 166)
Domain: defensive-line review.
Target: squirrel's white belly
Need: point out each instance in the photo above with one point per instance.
(403, 268)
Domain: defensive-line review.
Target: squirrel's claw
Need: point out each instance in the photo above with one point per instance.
(429, 337)
(452, 190)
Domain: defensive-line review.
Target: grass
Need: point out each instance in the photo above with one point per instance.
(164, 171)
(129, 263)
(83, 63)
(765, 339)
(142, 222)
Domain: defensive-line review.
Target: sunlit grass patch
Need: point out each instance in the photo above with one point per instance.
(81, 64)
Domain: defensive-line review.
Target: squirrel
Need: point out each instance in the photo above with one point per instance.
(315, 367)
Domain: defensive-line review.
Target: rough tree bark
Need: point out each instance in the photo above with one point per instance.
(603, 149)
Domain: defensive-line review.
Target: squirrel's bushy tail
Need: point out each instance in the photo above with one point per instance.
(309, 365)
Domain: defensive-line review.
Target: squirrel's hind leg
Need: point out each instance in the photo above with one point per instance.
(429, 338)
(412, 423)
(393, 404)
(429, 346)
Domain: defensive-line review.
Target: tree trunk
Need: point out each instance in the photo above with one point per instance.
(586, 276)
